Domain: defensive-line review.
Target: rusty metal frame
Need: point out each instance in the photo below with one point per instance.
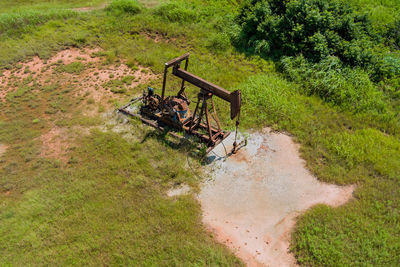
(194, 126)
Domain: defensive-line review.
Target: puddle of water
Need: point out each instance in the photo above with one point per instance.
(252, 200)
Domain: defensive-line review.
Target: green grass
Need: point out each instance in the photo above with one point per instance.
(107, 206)
(73, 68)
(15, 5)
(381, 12)
(111, 210)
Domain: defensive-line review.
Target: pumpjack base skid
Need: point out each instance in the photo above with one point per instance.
(161, 123)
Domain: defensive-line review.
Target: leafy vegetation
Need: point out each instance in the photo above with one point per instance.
(74, 67)
(106, 204)
(315, 29)
(317, 41)
(124, 6)
(349, 88)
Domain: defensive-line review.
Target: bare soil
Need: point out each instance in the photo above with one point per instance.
(3, 149)
(157, 37)
(90, 83)
(254, 197)
(89, 8)
(55, 144)
(178, 191)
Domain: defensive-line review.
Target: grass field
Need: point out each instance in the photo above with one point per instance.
(101, 200)
(15, 5)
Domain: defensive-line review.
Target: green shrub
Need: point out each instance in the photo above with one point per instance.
(393, 34)
(116, 86)
(73, 68)
(314, 28)
(218, 42)
(131, 7)
(128, 79)
(176, 13)
(392, 64)
(349, 88)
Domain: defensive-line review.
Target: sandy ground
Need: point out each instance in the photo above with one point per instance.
(252, 200)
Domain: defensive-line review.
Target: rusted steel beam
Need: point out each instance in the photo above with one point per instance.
(233, 98)
(203, 84)
(177, 60)
(195, 124)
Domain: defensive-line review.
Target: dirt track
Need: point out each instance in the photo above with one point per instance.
(254, 197)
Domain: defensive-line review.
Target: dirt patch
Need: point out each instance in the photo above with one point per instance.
(178, 191)
(157, 37)
(89, 8)
(3, 149)
(55, 144)
(72, 54)
(149, 3)
(37, 67)
(96, 86)
(91, 82)
(255, 196)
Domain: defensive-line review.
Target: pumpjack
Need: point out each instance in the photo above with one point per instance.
(161, 111)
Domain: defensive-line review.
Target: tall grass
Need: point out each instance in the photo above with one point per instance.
(16, 22)
(43, 5)
(348, 88)
(118, 7)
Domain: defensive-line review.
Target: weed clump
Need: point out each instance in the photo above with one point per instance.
(130, 7)
(348, 88)
(218, 42)
(119, 86)
(73, 68)
(176, 13)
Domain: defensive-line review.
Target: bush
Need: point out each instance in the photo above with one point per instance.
(131, 7)
(393, 34)
(314, 28)
(349, 88)
(176, 13)
(72, 68)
